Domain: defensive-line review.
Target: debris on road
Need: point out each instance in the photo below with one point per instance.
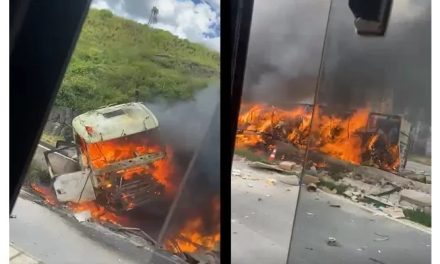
(83, 216)
(12, 216)
(266, 166)
(312, 187)
(334, 205)
(381, 237)
(259, 199)
(309, 248)
(272, 181)
(287, 165)
(250, 185)
(268, 195)
(308, 179)
(415, 197)
(362, 248)
(377, 261)
(288, 189)
(236, 172)
(331, 241)
(309, 213)
(394, 212)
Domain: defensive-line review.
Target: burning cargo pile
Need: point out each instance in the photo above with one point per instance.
(358, 137)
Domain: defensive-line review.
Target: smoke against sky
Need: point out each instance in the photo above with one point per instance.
(285, 50)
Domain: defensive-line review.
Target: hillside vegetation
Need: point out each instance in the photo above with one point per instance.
(114, 57)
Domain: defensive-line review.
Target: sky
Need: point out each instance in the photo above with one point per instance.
(195, 20)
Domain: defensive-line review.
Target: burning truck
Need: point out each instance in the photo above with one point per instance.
(360, 137)
(116, 159)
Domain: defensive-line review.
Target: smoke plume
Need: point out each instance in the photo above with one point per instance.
(285, 50)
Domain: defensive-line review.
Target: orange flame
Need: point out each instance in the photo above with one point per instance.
(104, 153)
(46, 192)
(98, 213)
(191, 237)
(336, 136)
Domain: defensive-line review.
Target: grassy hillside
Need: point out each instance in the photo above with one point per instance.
(115, 56)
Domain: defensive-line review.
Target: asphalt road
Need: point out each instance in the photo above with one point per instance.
(361, 235)
(53, 238)
(261, 230)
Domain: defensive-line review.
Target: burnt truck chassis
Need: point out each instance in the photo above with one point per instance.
(118, 194)
(124, 195)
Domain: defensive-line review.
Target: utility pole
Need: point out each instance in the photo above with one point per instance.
(153, 15)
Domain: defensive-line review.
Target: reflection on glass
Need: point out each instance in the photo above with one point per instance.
(366, 187)
(132, 110)
(274, 126)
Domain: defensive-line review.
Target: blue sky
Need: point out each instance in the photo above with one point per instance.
(195, 20)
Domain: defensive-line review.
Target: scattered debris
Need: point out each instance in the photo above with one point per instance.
(233, 220)
(378, 200)
(259, 199)
(334, 205)
(377, 261)
(234, 232)
(266, 166)
(246, 216)
(83, 216)
(12, 216)
(379, 251)
(289, 179)
(272, 181)
(362, 248)
(327, 190)
(268, 195)
(386, 190)
(394, 212)
(309, 248)
(288, 189)
(381, 237)
(287, 165)
(236, 172)
(250, 185)
(415, 197)
(331, 241)
(311, 187)
(309, 213)
(307, 179)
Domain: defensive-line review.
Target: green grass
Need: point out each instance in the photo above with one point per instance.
(418, 216)
(114, 57)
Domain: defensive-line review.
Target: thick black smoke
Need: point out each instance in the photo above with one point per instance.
(184, 126)
(362, 70)
(285, 50)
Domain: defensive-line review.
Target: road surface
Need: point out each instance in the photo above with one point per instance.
(261, 230)
(364, 238)
(53, 238)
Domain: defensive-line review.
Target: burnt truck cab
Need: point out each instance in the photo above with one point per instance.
(112, 159)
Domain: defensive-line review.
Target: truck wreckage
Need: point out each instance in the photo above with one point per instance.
(358, 137)
(112, 160)
(118, 163)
